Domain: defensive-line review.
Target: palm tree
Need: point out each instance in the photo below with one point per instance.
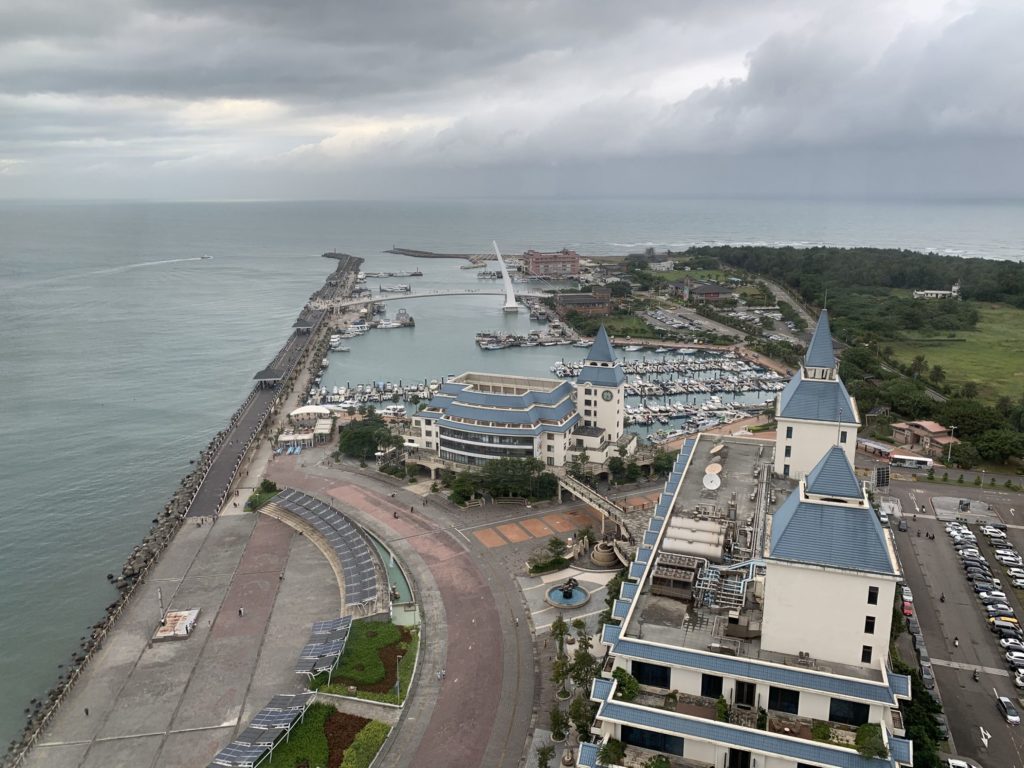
(937, 375)
(918, 365)
(559, 629)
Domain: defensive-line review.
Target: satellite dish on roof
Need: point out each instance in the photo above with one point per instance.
(713, 469)
(712, 482)
(717, 449)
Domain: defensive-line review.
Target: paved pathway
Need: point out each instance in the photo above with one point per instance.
(479, 713)
(178, 703)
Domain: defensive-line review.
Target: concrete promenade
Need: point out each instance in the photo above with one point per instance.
(178, 703)
(479, 713)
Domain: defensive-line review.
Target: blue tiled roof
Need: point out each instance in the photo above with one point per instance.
(745, 738)
(901, 750)
(532, 414)
(532, 397)
(525, 431)
(619, 609)
(601, 350)
(588, 756)
(636, 570)
(899, 685)
(833, 476)
(612, 376)
(733, 666)
(814, 400)
(610, 633)
(629, 590)
(600, 689)
(830, 535)
(820, 352)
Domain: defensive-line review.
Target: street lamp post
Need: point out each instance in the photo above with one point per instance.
(949, 453)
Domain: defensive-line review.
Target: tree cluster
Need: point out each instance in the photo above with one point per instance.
(504, 477)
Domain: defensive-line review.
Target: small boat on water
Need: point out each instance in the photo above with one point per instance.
(397, 288)
(633, 348)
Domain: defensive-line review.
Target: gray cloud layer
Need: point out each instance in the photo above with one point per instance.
(317, 98)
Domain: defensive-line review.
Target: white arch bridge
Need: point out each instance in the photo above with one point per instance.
(419, 295)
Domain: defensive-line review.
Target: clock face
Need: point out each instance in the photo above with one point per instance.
(607, 396)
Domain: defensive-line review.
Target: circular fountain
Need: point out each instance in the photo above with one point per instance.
(567, 595)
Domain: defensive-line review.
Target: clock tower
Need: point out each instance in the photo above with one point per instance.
(600, 390)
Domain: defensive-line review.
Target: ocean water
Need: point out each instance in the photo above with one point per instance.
(122, 351)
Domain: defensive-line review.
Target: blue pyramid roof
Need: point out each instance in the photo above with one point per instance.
(820, 352)
(833, 476)
(601, 349)
(816, 400)
(830, 535)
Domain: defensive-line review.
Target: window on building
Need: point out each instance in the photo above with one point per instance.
(588, 391)
(711, 686)
(430, 444)
(551, 449)
(848, 712)
(842, 436)
(869, 625)
(652, 674)
(551, 461)
(587, 413)
(785, 470)
(658, 742)
(789, 433)
(783, 700)
(872, 595)
(551, 435)
(865, 654)
(789, 451)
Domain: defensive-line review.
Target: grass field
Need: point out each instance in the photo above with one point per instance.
(992, 356)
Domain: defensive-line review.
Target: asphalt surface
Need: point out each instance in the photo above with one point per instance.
(932, 568)
(229, 455)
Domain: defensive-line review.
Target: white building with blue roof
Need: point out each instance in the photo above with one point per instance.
(827, 534)
(476, 417)
(814, 411)
(788, 630)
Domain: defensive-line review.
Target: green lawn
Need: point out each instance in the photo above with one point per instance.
(360, 665)
(992, 355)
(307, 742)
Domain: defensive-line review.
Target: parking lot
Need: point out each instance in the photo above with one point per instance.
(933, 569)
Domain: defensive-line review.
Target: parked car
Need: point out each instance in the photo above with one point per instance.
(1015, 656)
(1018, 679)
(1007, 710)
(942, 724)
(994, 593)
(1017, 583)
(908, 608)
(908, 596)
(1011, 644)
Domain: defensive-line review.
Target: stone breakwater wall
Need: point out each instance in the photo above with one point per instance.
(144, 557)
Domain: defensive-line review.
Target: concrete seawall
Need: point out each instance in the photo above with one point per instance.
(200, 495)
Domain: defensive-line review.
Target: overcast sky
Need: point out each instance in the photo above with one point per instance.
(185, 99)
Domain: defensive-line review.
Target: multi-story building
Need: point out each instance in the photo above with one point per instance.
(929, 437)
(597, 302)
(476, 417)
(814, 409)
(759, 638)
(563, 263)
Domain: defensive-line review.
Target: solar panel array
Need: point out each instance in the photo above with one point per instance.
(326, 644)
(345, 539)
(334, 625)
(268, 726)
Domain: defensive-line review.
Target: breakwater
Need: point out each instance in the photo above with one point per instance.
(417, 254)
(200, 494)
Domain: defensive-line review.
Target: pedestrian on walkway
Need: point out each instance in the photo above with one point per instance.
(444, 673)
(241, 611)
(86, 711)
(956, 642)
(517, 621)
(439, 675)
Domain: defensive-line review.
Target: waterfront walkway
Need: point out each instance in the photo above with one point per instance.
(178, 703)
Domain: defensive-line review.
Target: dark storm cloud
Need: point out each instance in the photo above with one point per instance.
(232, 92)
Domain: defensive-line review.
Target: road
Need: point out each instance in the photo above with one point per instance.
(932, 568)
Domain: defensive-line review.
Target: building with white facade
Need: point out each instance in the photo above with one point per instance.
(746, 653)
(476, 417)
(814, 410)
